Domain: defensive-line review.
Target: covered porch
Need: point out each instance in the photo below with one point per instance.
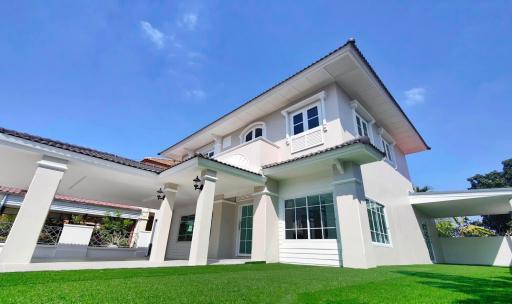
(48, 169)
(489, 250)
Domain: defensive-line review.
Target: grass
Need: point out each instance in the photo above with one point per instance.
(263, 283)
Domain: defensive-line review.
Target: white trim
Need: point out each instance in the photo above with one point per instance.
(244, 144)
(347, 180)
(388, 226)
(266, 192)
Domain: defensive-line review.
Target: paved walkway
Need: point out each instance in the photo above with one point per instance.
(90, 264)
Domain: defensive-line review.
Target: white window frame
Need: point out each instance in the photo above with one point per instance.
(283, 202)
(359, 110)
(387, 139)
(305, 120)
(318, 99)
(251, 128)
(387, 228)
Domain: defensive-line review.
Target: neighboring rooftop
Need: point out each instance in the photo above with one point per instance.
(85, 151)
(160, 162)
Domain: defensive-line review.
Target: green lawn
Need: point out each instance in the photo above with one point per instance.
(260, 283)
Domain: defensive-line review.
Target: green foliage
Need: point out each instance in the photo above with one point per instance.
(473, 230)
(262, 283)
(422, 189)
(114, 222)
(495, 179)
(77, 219)
(7, 218)
(445, 228)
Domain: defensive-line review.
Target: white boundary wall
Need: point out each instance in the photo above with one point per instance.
(494, 250)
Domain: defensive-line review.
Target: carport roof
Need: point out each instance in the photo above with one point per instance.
(463, 202)
(83, 150)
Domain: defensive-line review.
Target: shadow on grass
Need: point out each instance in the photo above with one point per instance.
(481, 290)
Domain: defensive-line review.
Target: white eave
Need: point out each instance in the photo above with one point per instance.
(464, 202)
(348, 69)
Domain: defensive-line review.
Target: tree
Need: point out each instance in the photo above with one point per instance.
(495, 179)
(422, 189)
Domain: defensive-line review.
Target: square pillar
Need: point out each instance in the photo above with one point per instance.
(203, 220)
(353, 226)
(161, 237)
(265, 237)
(22, 240)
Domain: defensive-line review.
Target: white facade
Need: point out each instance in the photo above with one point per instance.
(313, 171)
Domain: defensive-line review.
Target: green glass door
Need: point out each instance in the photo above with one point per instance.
(245, 242)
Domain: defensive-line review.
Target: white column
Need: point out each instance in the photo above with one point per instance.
(142, 222)
(161, 237)
(22, 240)
(215, 234)
(203, 220)
(353, 226)
(265, 232)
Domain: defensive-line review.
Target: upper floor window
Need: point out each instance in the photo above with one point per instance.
(388, 149)
(210, 153)
(253, 134)
(305, 119)
(253, 131)
(378, 223)
(362, 126)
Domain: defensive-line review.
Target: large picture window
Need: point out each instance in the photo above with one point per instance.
(310, 217)
(378, 224)
(186, 228)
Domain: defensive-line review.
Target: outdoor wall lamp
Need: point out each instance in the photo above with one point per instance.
(198, 185)
(160, 195)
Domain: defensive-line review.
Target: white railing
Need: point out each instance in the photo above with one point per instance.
(308, 139)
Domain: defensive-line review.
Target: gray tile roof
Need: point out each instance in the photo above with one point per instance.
(82, 150)
(361, 140)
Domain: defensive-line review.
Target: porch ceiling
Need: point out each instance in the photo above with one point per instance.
(463, 203)
(231, 181)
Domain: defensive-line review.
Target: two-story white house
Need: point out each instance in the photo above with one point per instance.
(311, 171)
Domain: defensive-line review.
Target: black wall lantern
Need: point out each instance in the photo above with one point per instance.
(160, 195)
(198, 185)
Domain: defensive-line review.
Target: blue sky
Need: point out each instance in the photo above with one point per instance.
(132, 78)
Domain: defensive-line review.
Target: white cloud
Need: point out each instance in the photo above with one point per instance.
(156, 36)
(415, 96)
(188, 21)
(197, 93)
